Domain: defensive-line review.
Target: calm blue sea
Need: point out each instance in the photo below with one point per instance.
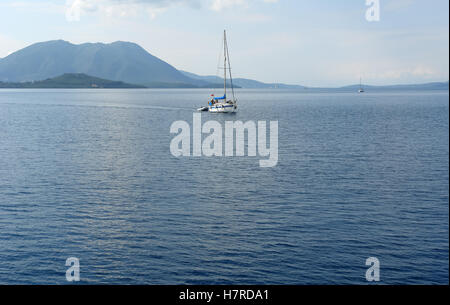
(88, 174)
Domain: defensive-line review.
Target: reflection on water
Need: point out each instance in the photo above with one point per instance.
(88, 173)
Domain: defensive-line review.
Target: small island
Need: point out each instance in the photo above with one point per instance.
(71, 81)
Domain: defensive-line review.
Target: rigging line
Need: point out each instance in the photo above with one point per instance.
(225, 64)
(229, 67)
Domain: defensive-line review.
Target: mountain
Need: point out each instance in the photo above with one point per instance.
(426, 86)
(129, 63)
(118, 61)
(253, 84)
(242, 82)
(71, 80)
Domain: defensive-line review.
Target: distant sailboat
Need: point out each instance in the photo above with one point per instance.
(223, 104)
(361, 90)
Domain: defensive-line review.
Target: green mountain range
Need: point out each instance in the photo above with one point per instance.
(71, 80)
(61, 64)
(118, 61)
(242, 82)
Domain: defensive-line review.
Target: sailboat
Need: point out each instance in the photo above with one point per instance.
(361, 90)
(224, 103)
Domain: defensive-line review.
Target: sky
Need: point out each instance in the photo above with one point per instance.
(322, 43)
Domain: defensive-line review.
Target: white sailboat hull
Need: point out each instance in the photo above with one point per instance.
(223, 108)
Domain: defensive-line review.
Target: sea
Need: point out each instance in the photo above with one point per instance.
(88, 174)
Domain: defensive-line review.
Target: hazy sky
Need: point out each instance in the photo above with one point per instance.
(308, 42)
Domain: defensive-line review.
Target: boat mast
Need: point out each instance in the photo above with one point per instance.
(225, 63)
(229, 68)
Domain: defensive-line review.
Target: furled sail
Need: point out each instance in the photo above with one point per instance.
(221, 98)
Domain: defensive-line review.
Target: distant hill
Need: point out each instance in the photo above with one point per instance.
(427, 86)
(253, 84)
(242, 82)
(71, 80)
(42, 63)
(118, 61)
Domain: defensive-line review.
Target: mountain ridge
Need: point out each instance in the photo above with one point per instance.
(128, 62)
(242, 82)
(118, 61)
(72, 80)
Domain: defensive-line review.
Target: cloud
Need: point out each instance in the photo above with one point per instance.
(76, 7)
(218, 5)
(125, 8)
(121, 8)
